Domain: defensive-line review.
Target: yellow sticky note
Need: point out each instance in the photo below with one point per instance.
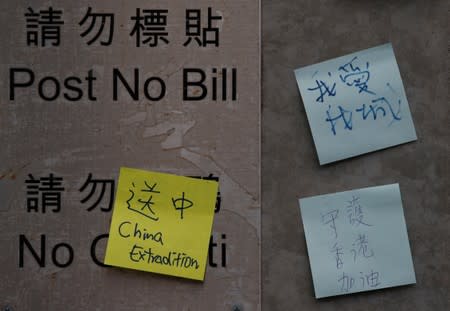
(161, 223)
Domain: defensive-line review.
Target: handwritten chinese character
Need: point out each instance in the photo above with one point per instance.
(379, 102)
(323, 88)
(344, 115)
(337, 251)
(373, 278)
(346, 282)
(361, 247)
(355, 212)
(353, 75)
(329, 219)
(144, 202)
(180, 204)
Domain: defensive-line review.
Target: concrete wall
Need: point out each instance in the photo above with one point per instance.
(299, 33)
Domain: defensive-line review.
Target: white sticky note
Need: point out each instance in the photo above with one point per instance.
(356, 104)
(357, 241)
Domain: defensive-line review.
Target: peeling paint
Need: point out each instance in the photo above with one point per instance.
(135, 118)
(175, 132)
(243, 203)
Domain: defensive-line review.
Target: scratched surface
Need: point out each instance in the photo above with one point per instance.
(300, 33)
(73, 139)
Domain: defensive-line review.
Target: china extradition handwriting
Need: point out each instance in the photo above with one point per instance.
(162, 223)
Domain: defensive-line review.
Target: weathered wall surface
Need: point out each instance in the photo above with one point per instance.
(73, 139)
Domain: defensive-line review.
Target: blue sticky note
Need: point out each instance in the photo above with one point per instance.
(357, 241)
(356, 104)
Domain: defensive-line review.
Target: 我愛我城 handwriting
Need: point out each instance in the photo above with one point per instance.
(372, 105)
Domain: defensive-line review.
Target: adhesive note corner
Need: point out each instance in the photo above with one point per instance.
(356, 104)
(357, 241)
(161, 223)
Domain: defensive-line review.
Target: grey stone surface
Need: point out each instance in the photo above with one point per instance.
(299, 33)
